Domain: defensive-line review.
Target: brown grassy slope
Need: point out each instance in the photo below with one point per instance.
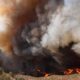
(10, 76)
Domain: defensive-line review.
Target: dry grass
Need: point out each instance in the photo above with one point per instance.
(11, 76)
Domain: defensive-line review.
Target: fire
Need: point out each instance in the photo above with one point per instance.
(71, 71)
(68, 71)
(77, 70)
(46, 74)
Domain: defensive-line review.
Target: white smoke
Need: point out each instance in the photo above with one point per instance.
(64, 28)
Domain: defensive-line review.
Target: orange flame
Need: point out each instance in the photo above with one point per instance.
(77, 70)
(68, 71)
(46, 74)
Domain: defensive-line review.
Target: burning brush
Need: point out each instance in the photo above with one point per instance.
(40, 48)
(72, 71)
